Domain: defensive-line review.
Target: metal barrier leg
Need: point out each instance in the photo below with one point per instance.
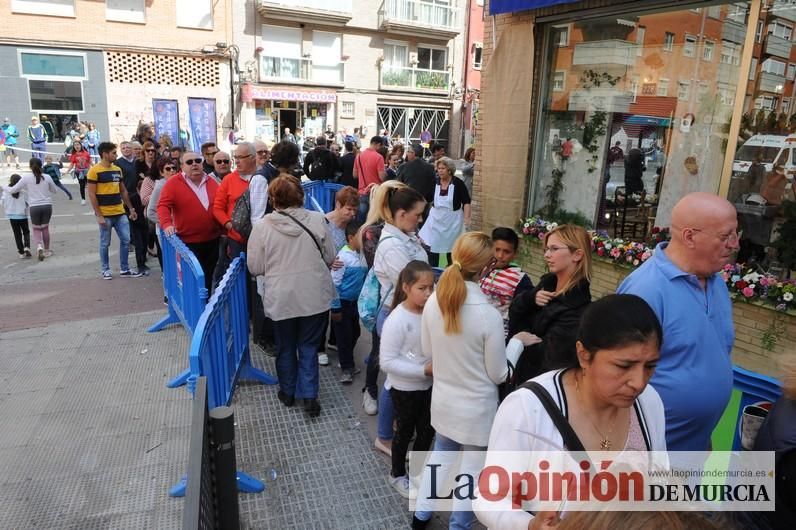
(169, 319)
(250, 373)
(178, 490)
(180, 379)
(249, 484)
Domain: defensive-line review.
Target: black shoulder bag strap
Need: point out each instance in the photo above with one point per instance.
(317, 245)
(571, 440)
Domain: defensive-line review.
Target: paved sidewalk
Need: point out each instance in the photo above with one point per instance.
(91, 438)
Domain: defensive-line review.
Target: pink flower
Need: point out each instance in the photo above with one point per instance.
(615, 252)
(629, 258)
(601, 251)
(748, 292)
(635, 263)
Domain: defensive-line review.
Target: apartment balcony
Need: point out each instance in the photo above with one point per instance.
(419, 18)
(333, 12)
(733, 32)
(783, 10)
(600, 99)
(768, 82)
(299, 71)
(777, 46)
(605, 53)
(414, 80)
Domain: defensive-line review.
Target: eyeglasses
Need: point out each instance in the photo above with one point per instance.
(150, 150)
(240, 157)
(191, 161)
(553, 248)
(224, 161)
(731, 238)
(169, 168)
(263, 152)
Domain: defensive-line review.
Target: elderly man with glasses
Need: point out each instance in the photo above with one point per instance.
(222, 166)
(185, 208)
(681, 283)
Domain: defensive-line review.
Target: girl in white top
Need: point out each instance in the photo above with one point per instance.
(408, 369)
(15, 206)
(463, 333)
(40, 188)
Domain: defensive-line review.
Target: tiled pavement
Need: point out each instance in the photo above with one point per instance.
(91, 438)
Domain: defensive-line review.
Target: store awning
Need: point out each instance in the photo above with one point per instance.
(512, 6)
(647, 120)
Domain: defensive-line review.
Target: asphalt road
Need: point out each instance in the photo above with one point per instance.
(67, 286)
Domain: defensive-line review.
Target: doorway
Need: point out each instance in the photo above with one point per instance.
(287, 118)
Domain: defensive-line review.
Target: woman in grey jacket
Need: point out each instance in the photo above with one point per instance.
(292, 248)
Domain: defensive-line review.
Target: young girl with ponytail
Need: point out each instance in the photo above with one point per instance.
(463, 334)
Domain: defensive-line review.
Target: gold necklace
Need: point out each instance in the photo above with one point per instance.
(605, 442)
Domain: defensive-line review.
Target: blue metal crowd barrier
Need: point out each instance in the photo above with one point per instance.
(184, 286)
(220, 352)
(320, 192)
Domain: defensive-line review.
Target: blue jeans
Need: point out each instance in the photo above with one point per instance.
(122, 227)
(463, 517)
(297, 354)
(364, 206)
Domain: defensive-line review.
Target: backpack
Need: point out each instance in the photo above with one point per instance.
(369, 303)
(241, 215)
(318, 167)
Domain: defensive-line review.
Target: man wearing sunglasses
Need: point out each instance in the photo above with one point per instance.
(209, 151)
(682, 285)
(185, 208)
(222, 166)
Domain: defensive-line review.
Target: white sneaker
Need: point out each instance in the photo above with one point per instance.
(370, 405)
(82, 202)
(400, 484)
(323, 359)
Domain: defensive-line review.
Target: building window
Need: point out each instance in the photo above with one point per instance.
(197, 14)
(785, 105)
(281, 57)
(559, 81)
(791, 74)
(327, 51)
(753, 69)
(726, 94)
(634, 87)
(663, 87)
(737, 13)
(689, 48)
(668, 42)
(707, 50)
(703, 88)
(55, 95)
(396, 54)
(759, 31)
(561, 35)
(683, 88)
(56, 8)
(714, 11)
(39, 64)
(780, 29)
(766, 103)
(773, 66)
(432, 58)
(125, 11)
(347, 109)
(640, 33)
(730, 53)
(478, 51)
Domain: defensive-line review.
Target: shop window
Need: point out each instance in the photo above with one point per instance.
(707, 50)
(347, 109)
(52, 64)
(663, 87)
(197, 14)
(683, 88)
(780, 29)
(57, 8)
(689, 48)
(668, 42)
(478, 51)
(125, 10)
(55, 95)
(730, 53)
(559, 81)
(773, 66)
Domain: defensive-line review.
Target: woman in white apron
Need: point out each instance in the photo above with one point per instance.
(450, 212)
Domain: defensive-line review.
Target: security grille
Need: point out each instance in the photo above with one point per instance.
(152, 69)
(409, 122)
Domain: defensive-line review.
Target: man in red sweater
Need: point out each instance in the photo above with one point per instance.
(185, 208)
(231, 188)
(369, 170)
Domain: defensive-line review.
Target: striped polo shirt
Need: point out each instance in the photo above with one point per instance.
(109, 195)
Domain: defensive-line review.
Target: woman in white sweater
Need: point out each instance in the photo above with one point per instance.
(40, 188)
(463, 334)
(604, 398)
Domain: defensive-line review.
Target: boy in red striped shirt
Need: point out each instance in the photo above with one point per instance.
(504, 279)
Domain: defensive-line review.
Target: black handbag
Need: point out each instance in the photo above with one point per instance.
(241, 215)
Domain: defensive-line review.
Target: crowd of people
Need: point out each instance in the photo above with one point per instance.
(646, 369)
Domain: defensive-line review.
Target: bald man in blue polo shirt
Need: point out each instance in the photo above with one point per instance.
(680, 282)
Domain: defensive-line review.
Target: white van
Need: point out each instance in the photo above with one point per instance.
(773, 149)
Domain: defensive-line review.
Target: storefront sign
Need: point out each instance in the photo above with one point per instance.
(251, 93)
(167, 119)
(512, 6)
(202, 114)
